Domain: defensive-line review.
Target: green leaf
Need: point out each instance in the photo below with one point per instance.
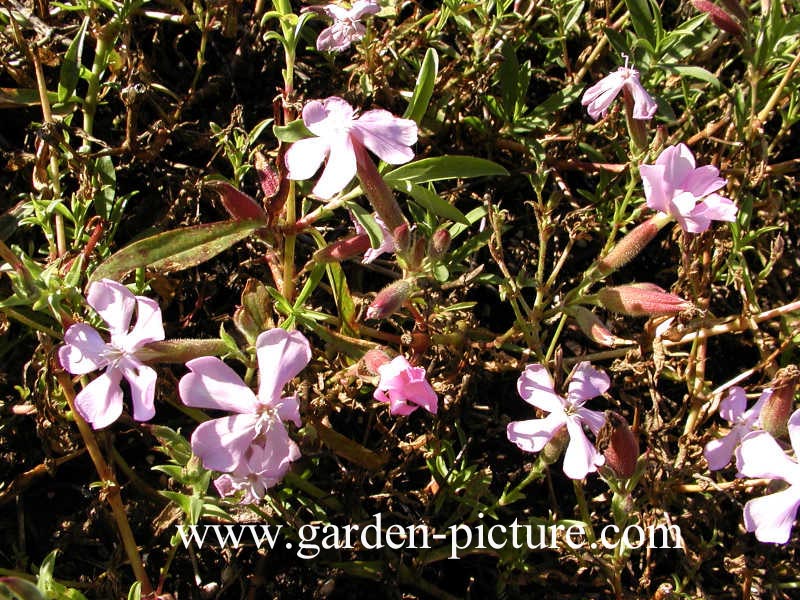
(368, 222)
(70, 68)
(431, 201)
(694, 72)
(443, 167)
(642, 19)
(135, 593)
(177, 249)
(342, 297)
(558, 101)
(423, 90)
(292, 132)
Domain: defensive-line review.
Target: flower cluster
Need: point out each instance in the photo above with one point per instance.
(346, 27)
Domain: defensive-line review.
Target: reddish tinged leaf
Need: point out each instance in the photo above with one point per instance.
(238, 204)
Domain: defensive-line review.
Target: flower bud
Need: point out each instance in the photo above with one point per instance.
(439, 244)
(632, 244)
(402, 238)
(779, 406)
(389, 299)
(553, 449)
(376, 190)
(418, 251)
(238, 204)
(718, 16)
(641, 300)
(343, 249)
(373, 359)
(591, 325)
(619, 445)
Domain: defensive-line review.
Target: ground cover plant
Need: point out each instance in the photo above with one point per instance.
(399, 299)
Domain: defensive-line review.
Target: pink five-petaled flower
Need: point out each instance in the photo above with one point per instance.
(732, 408)
(338, 133)
(771, 517)
(346, 27)
(599, 97)
(405, 388)
(536, 388)
(256, 433)
(674, 186)
(100, 402)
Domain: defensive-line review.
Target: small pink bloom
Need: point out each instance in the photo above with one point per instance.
(674, 186)
(771, 517)
(347, 27)
(387, 243)
(599, 97)
(405, 388)
(252, 444)
(536, 388)
(338, 133)
(732, 408)
(84, 351)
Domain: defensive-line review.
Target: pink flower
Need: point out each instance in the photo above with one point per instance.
(732, 408)
(536, 388)
(599, 97)
(346, 27)
(405, 388)
(771, 517)
(339, 134)
(252, 444)
(387, 243)
(84, 351)
(674, 186)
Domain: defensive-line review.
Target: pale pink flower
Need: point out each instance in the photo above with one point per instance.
(536, 387)
(338, 133)
(771, 517)
(387, 243)
(84, 351)
(674, 186)
(347, 27)
(732, 408)
(405, 388)
(599, 97)
(255, 432)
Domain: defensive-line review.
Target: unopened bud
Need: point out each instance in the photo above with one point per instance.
(377, 192)
(779, 406)
(389, 299)
(373, 359)
(632, 244)
(238, 204)
(641, 300)
(718, 16)
(552, 450)
(402, 238)
(355, 245)
(591, 325)
(439, 244)
(619, 445)
(735, 7)
(418, 251)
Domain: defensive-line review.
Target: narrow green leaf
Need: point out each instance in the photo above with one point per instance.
(70, 68)
(423, 90)
(642, 19)
(368, 222)
(177, 249)
(292, 132)
(693, 72)
(443, 167)
(431, 201)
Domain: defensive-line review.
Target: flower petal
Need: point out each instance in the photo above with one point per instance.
(114, 303)
(586, 383)
(644, 107)
(389, 137)
(533, 435)
(716, 208)
(771, 517)
(213, 384)
(535, 386)
(759, 455)
(733, 404)
(328, 118)
(718, 452)
(83, 350)
(304, 157)
(339, 170)
(598, 98)
(281, 356)
(364, 7)
(149, 325)
(288, 409)
(221, 443)
(142, 380)
(593, 419)
(703, 181)
(100, 402)
(581, 457)
(658, 194)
